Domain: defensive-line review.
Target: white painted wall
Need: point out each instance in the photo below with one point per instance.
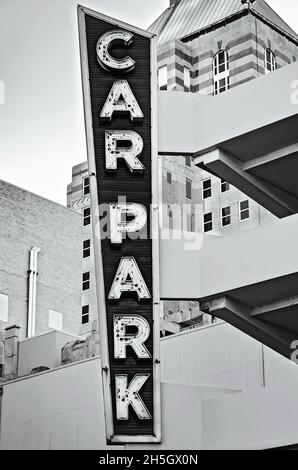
(192, 122)
(223, 357)
(63, 409)
(259, 419)
(182, 417)
(42, 350)
(214, 356)
(203, 372)
(60, 409)
(210, 268)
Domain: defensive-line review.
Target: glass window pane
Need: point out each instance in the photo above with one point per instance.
(207, 184)
(85, 314)
(221, 57)
(221, 72)
(207, 189)
(244, 210)
(163, 78)
(188, 189)
(226, 216)
(245, 215)
(270, 61)
(86, 186)
(208, 217)
(222, 68)
(186, 77)
(86, 248)
(244, 205)
(224, 186)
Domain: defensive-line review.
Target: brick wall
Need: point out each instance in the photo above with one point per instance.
(26, 221)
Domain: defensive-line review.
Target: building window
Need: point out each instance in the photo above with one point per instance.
(188, 161)
(169, 177)
(244, 210)
(1, 358)
(186, 73)
(55, 320)
(86, 248)
(85, 314)
(170, 217)
(226, 216)
(208, 226)
(188, 186)
(270, 61)
(207, 189)
(86, 186)
(163, 77)
(221, 73)
(3, 307)
(86, 216)
(224, 186)
(86, 281)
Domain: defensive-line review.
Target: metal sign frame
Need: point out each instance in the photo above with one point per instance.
(99, 271)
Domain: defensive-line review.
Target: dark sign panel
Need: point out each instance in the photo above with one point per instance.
(118, 67)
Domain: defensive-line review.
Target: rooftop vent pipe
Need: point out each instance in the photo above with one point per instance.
(32, 292)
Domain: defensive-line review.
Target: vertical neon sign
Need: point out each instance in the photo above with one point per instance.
(119, 85)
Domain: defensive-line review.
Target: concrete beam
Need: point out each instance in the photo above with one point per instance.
(232, 170)
(239, 315)
(170, 327)
(275, 306)
(270, 157)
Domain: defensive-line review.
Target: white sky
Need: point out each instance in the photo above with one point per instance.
(41, 124)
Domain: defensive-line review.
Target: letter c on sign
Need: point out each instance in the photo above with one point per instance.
(103, 56)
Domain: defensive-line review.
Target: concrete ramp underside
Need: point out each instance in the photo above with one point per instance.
(248, 279)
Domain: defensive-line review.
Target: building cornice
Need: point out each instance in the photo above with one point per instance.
(235, 17)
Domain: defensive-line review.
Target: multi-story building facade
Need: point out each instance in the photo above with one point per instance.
(209, 48)
(40, 265)
(244, 395)
(206, 48)
(194, 200)
(78, 199)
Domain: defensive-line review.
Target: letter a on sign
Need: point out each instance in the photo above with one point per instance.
(129, 279)
(119, 86)
(121, 99)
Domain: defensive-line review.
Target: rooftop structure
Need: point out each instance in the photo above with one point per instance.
(185, 19)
